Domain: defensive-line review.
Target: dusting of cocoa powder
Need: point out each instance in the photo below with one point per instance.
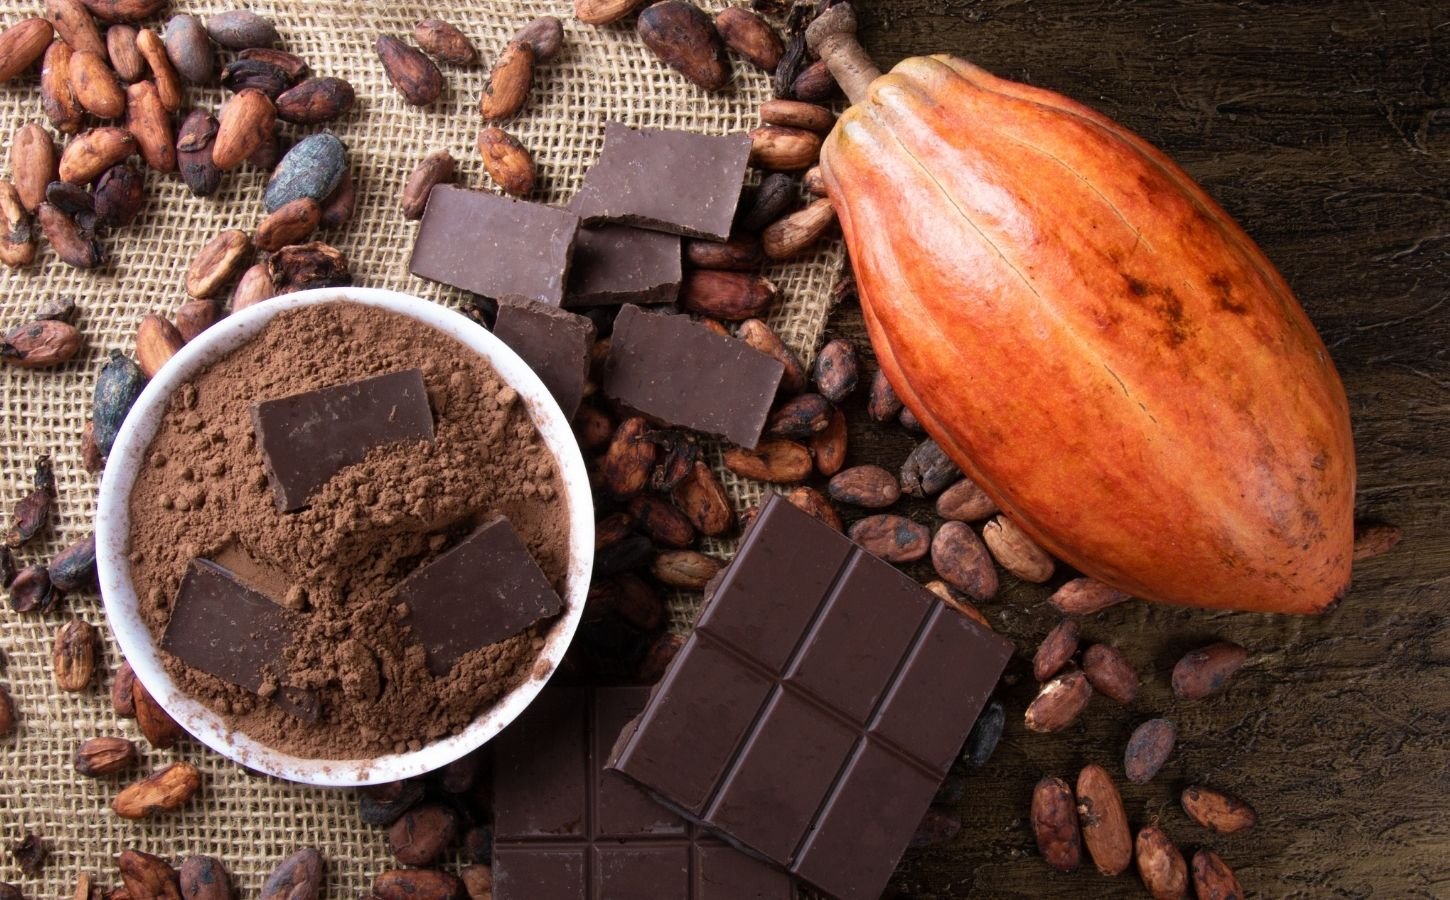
(203, 493)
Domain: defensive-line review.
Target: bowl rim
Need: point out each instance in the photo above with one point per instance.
(121, 604)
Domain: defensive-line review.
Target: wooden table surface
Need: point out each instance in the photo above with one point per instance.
(1324, 127)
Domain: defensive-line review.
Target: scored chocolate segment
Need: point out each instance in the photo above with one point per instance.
(617, 264)
(554, 343)
(681, 372)
(494, 246)
(484, 590)
(307, 438)
(225, 628)
(817, 707)
(682, 182)
(567, 829)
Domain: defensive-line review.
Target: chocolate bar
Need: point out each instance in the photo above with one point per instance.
(816, 708)
(673, 369)
(567, 829)
(227, 629)
(553, 342)
(676, 181)
(494, 246)
(308, 438)
(484, 590)
(618, 264)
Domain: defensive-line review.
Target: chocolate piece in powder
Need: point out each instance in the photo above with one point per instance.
(225, 628)
(484, 590)
(494, 246)
(679, 371)
(553, 342)
(619, 264)
(676, 181)
(308, 438)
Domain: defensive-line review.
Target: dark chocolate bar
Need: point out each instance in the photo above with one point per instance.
(484, 590)
(817, 706)
(682, 182)
(227, 629)
(553, 342)
(618, 264)
(308, 438)
(494, 246)
(681, 372)
(567, 829)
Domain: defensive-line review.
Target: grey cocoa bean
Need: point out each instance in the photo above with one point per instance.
(242, 29)
(117, 388)
(928, 471)
(312, 168)
(189, 49)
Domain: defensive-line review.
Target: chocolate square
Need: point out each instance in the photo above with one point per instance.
(618, 264)
(555, 344)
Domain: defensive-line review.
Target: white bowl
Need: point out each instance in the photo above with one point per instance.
(113, 522)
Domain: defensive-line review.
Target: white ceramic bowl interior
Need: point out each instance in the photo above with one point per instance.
(113, 522)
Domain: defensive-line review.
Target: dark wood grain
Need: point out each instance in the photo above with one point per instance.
(1324, 127)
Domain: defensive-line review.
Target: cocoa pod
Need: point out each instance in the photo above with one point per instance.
(216, 263)
(33, 163)
(255, 285)
(117, 387)
(775, 461)
(1206, 670)
(156, 725)
(40, 345)
(751, 36)
(684, 38)
(1016, 552)
(545, 34)
(506, 161)
(383, 804)
(298, 877)
(795, 114)
(1103, 820)
(604, 12)
(101, 756)
(247, 121)
(157, 340)
(799, 231)
(702, 499)
(417, 884)
(869, 487)
(1110, 674)
(338, 208)
(884, 404)
(1213, 879)
(894, 538)
(436, 168)
(800, 417)
(125, 11)
(1218, 812)
(1085, 596)
(95, 86)
(316, 100)
(625, 467)
(837, 370)
(664, 524)
(414, 75)
(508, 83)
(22, 44)
(986, 733)
(828, 447)
(815, 83)
(445, 43)
(1160, 865)
(73, 655)
(960, 558)
(313, 265)
(125, 59)
(205, 878)
(75, 26)
(1056, 649)
(75, 246)
(1148, 749)
(776, 195)
(256, 74)
(290, 223)
(147, 877)
(189, 48)
(165, 790)
(17, 241)
(193, 150)
(1370, 538)
(195, 316)
(814, 504)
(57, 98)
(92, 153)
(31, 591)
(685, 570)
(313, 168)
(928, 470)
(1059, 703)
(742, 253)
(120, 194)
(965, 502)
(163, 73)
(782, 149)
(477, 881)
(760, 337)
(730, 296)
(123, 691)
(423, 834)
(1054, 823)
(74, 568)
(241, 29)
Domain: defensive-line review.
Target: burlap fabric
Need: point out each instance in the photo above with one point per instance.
(252, 822)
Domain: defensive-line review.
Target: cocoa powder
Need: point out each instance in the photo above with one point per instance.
(203, 493)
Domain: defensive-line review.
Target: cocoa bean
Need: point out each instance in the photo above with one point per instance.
(1213, 879)
(604, 12)
(626, 554)
(313, 265)
(1218, 812)
(1370, 538)
(195, 316)
(814, 182)
(423, 834)
(91, 458)
(384, 804)
(416, 884)
(684, 38)
(125, 59)
(75, 26)
(799, 231)
(189, 49)
(257, 75)
(32, 512)
(295, 66)
(928, 470)
(95, 86)
(1054, 823)
(57, 309)
(508, 83)
(961, 559)
(33, 163)
(730, 296)
(965, 502)
(75, 246)
(742, 253)
(1056, 649)
(7, 574)
(266, 157)
(592, 427)
(985, 735)
(205, 878)
(73, 655)
(1206, 670)
(1103, 820)
(1160, 865)
(290, 223)
(1059, 703)
(776, 194)
(298, 877)
(545, 34)
(22, 44)
(255, 285)
(814, 84)
(795, 114)
(338, 208)
(193, 150)
(40, 345)
(637, 603)
(313, 168)
(1110, 673)
(17, 234)
(316, 100)
(506, 161)
(1085, 596)
(445, 43)
(157, 340)
(101, 756)
(165, 790)
(414, 75)
(163, 73)
(894, 538)
(782, 149)
(1016, 552)
(74, 568)
(461, 775)
(57, 99)
(1148, 749)
(125, 11)
(248, 120)
(884, 404)
(241, 29)
(702, 499)
(760, 337)
(814, 504)
(751, 36)
(120, 194)
(8, 716)
(937, 827)
(92, 153)
(477, 881)
(659, 656)
(870, 487)
(625, 467)
(677, 455)
(776, 461)
(217, 262)
(147, 877)
(837, 370)
(829, 446)
(155, 723)
(123, 691)
(31, 591)
(685, 569)
(73, 200)
(117, 387)
(661, 522)
(800, 417)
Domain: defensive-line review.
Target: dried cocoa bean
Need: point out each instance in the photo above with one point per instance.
(985, 735)
(795, 114)
(384, 804)
(545, 34)
(101, 756)
(800, 417)
(884, 404)
(799, 231)
(742, 253)
(8, 717)
(117, 387)
(247, 122)
(313, 168)
(870, 487)
(74, 568)
(685, 569)
(1213, 879)
(659, 656)
(760, 336)
(436, 168)
(702, 499)
(1148, 749)
(123, 691)
(416, 884)
(1218, 812)
(7, 574)
(217, 262)
(477, 881)
(17, 234)
(1056, 649)
(677, 455)
(1059, 703)
(1160, 865)
(205, 878)
(592, 427)
(195, 316)
(837, 370)
(73, 655)
(316, 100)
(189, 49)
(32, 513)
(75, 246)
(33, 163)
(751, 36)
(163, 73)
(92, 153)
(95, 86)
(625, 467)
(423, 834)
(961, 559)
(814, 84)
(1016, 552)
(1085, 596)
(1370, 538)
(893, 538)
(414, 75)
(445, 43)
(664, 524)
(814, 504)
(965, 502)
(814, 182)
(508, 83)
(125, 10)
(937, 827)
(147, 877)
(40, 345)
(91, 458)
(828, 447)
(255, 285)
(125, 59)
(290, 223)
(684, 38)
(1103, 820)
(155, 723)
(165, 790)
(257, 75)
(298, 877)
(776, 461)
(241, 29)
(1206, 670)
(120, 194)
(157, 340)
(1110, 673)
(782, 149)
(22, 44)
(604, 12)
(31, 591)
(928, 470)
(626, 554)
(303, 266)
(193, 150)
(337, 209)
(776, 194)
(506, 161)
(1054, 822)
(75, 26)
(57, 99)
(730, 296)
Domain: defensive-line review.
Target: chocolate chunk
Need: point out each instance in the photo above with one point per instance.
(225, 628)
(494, 246)
(484, 590)
(676, 181)
(567, 828)
(553, 342)
(815, 711)
(618, 264)
(308, 438)
(677, 370)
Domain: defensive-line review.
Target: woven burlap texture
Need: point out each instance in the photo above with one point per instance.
(252, 822)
